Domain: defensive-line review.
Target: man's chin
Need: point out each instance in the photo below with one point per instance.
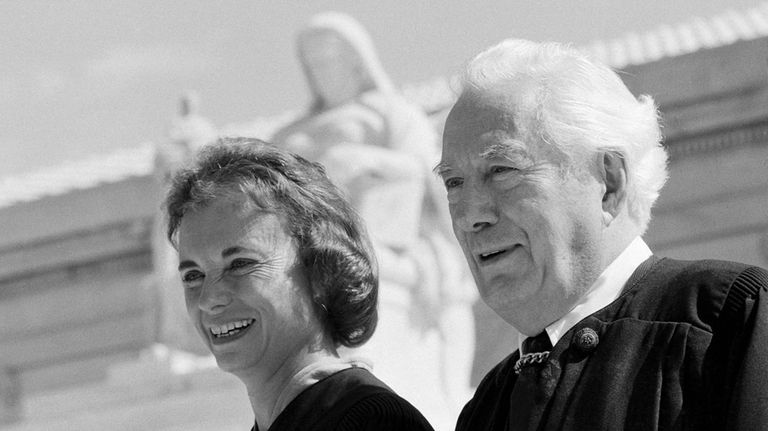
(518, 312)
(499, 294)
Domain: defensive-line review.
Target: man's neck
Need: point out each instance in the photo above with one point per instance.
(617, 236)
(606, 288)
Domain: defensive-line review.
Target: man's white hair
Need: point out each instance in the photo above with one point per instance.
(578, 107)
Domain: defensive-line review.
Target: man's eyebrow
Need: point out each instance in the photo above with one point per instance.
(441, 168)
(510, 150)
(186, 264)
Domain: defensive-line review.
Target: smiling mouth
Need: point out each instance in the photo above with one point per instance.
(230, 330)
(494, 255)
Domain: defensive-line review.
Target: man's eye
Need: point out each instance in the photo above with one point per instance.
(502, 169)
(453, 182)
(192, 278)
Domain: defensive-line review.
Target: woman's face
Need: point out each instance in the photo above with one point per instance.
(332, 66)
(245, 289)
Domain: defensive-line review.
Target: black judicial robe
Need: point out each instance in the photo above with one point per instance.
(684, 347)
(350, 400)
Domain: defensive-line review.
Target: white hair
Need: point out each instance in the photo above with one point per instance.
(578, 107)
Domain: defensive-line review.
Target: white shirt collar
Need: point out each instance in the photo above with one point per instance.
(605, 290)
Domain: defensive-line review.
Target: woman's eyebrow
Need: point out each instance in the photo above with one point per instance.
(235, 250)
(226, 253)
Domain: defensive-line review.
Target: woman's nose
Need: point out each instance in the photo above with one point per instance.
(214, 296)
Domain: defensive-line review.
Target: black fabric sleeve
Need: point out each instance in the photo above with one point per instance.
(747, 377)
(489, 407)
(740, 375)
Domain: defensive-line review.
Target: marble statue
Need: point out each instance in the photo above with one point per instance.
(188, 133)
(380, 149)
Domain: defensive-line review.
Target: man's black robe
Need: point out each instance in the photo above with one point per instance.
(684, 347)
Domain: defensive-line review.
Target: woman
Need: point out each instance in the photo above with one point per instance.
(278, 274)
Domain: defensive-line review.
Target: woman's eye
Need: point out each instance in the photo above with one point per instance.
(241, 264)
(192, 278)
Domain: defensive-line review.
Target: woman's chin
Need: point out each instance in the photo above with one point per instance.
(232, 362)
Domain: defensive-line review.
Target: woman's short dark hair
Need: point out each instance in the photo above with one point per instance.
(332, 243)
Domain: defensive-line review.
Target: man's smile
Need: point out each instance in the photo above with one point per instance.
(492, 255)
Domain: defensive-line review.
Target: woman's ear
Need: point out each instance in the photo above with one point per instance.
(614, 175)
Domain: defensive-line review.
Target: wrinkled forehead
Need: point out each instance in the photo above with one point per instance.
(474, 113)
(515, 95)
(239, 209)
(240, 196)
(479, 121)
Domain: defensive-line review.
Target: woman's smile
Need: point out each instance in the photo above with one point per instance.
(225, 333)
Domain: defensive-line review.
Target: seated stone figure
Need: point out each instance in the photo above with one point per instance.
(380, 149)
(188, 133)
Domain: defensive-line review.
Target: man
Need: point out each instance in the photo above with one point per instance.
(551, 168)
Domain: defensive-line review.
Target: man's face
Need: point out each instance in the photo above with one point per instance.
(529, 230)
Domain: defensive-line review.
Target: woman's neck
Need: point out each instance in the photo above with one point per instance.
(268, 393)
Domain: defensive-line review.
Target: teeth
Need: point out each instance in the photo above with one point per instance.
(227, 329)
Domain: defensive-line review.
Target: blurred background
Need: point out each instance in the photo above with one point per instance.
(91, 90)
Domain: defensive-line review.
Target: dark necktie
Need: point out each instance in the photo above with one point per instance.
(535, 351)
(539, 343)
(532, 386)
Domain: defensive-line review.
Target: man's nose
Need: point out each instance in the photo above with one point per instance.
(475, 209)
(215, 295)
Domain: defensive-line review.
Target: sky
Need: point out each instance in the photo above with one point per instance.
(81, 78)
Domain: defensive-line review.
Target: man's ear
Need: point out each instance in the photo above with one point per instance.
(614, 175)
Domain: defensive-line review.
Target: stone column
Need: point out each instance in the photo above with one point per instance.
(763, 248)
(10, 395)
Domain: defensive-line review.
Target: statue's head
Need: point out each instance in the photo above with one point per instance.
(189, 103)
(339, 60)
